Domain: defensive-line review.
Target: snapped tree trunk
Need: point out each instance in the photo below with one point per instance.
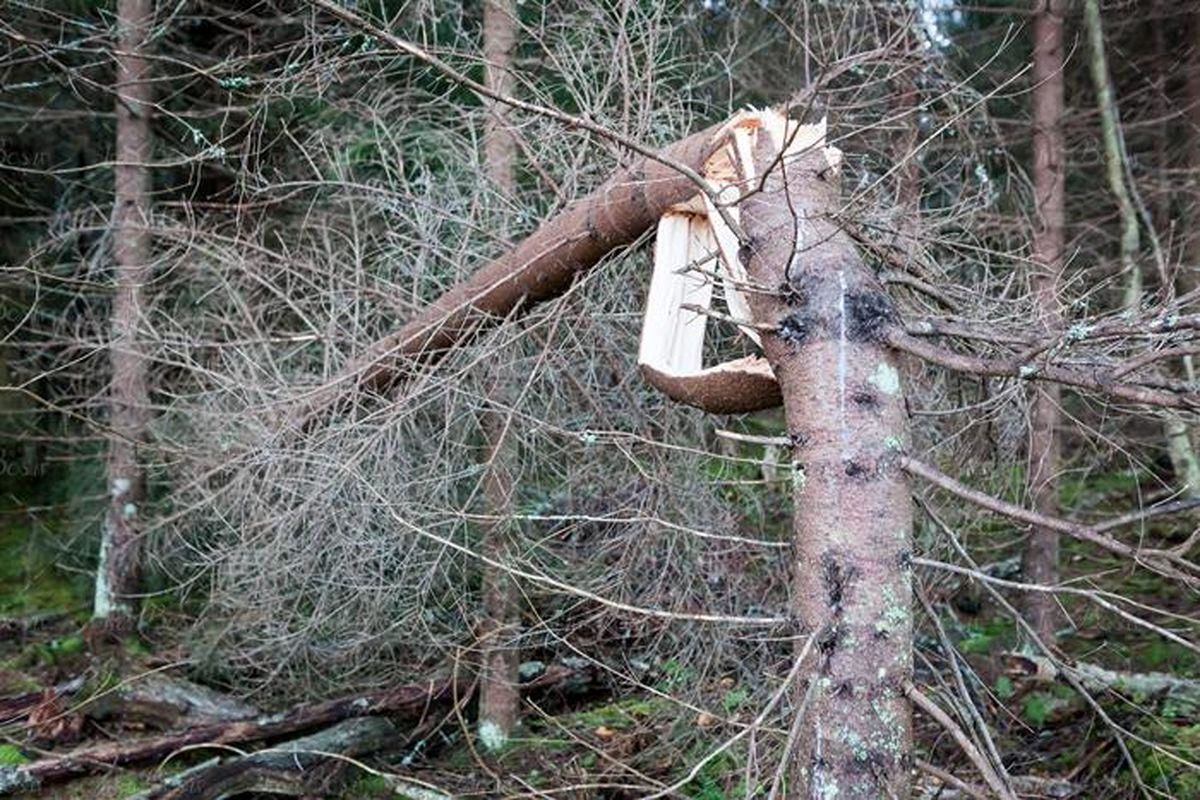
(499, 695)
(120, 551)
(846, 417)
(542, 266)
(1040, 558)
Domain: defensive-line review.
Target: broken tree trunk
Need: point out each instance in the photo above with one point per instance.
(129, 401)
(1040, 557)
(540, 268)
(847, 421)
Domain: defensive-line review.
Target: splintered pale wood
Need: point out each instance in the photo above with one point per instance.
(673, 336)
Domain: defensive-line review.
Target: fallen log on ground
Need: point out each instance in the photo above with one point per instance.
(1182, 694)
(56, 715)
(163, 702)
(413, 700)
(17, 707)
(309, 766)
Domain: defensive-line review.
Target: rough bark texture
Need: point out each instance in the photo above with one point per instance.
(404, 700)
(499, 694)
(853, 518)
(735, 387)
(541, 267)
(120, 558)
(1040, 559)
(1180, 442)
(1189, 274)
(556, 681)
(1114, 155)
(499, 39)
(301, 767)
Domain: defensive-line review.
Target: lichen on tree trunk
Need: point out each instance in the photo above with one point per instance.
(846, 416)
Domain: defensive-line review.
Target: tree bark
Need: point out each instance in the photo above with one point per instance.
(120, 548)
(853, 515)
(307, 767)
(499, 694)
(1180, 442)
(499, 691)
(540, 268)
(405, 700)
(1189, 275)
(1040, 558)
(1114, 156)
(413, 700)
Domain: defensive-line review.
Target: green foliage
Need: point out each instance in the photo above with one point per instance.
(734, 698)
(981, 637)
(53, 652)
(369, 785)
(738, 484)
(1161, 766)
(675, 676)
(722, 778)
(29, 581)
(1075, 488)
(129, 785)
(1036, 708)
(1164, 656)
(621, 714)
(11, 756)
(1040, 708)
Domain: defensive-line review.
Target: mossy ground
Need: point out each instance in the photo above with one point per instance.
(624, 742)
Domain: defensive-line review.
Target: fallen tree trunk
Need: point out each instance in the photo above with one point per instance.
(17, 707)
(161, 702)
(409, 700)
(1183, 694)
(541, 267)
(309, 766)
(413, 700)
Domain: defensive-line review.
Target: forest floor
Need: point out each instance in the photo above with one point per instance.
(607, 745)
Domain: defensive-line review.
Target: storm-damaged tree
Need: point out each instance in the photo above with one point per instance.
(118, 571)
(833, 342)
(824, 316)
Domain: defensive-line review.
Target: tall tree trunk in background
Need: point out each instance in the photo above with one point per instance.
(1180, 445)
(499, 694)
(1040, 559)
(853, 514)
(120, 549)
(1114, 156)
(1189, 275)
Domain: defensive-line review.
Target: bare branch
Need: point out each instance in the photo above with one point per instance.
(1094, 535)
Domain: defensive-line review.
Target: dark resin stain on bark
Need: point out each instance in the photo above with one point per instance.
(853, 516)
